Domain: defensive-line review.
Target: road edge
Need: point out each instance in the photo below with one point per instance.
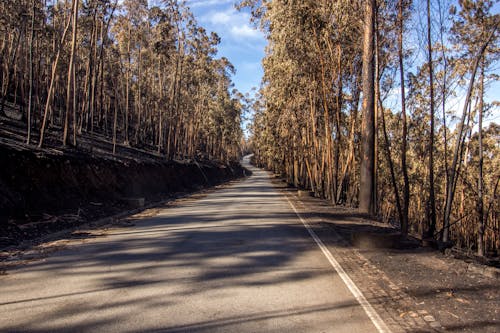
(356, 292)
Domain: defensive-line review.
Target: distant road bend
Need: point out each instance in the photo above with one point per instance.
(237, 260)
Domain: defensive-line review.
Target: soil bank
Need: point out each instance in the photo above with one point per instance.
(44, 191)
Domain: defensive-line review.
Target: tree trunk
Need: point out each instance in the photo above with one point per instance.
(367, 176)
(138, 98)
(127, 87)
(450, 191)
(404, 139)
(71, 77)
(480, 199)
(30, 94)
(431, 222)
(52, 83)
(160, 108)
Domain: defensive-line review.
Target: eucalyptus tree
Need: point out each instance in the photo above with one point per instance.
(431, 225)
(475, 17)
(120, 71)
(71, 87)
(367, 176)
(312, 67)
(307, 124)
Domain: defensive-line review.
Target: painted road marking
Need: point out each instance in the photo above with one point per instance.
(370, 311)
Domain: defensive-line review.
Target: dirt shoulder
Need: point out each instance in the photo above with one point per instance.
(414, 289)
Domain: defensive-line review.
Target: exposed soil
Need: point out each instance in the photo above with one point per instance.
(461, 300)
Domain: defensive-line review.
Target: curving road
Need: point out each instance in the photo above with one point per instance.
(236, 260)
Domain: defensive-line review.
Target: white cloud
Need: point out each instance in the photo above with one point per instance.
(220, 18)
(245, 31)
(232, 21)
(241, 43)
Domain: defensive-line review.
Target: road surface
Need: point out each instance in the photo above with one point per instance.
(236, 260)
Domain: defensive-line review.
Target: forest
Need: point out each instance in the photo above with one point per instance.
(383, 105)
(125, 72)
(388, 106)
(308, 166)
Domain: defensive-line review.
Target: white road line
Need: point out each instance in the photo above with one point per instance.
(370, 311)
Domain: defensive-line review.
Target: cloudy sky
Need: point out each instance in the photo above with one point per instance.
(240, 42)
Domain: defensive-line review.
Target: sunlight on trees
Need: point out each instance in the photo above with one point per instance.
(430, 174)
(146, 77)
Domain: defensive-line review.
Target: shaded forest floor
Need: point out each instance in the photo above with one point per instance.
(46, 190)
(418, 289)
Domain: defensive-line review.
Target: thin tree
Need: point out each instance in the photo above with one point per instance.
(50, 92)
(457, 153)
(367, 176)
(404, 139)
(71, 104)
(431, 224)
(30, 94)
(480, 195)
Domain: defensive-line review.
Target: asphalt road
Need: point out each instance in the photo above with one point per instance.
(237, 260)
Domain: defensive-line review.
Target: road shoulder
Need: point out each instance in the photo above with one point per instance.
(413, 289)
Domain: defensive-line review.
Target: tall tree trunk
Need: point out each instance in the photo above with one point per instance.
(102, 53)
(115, 119)
(404, 139)
(139, 97)
(75, 120)
(480, 199)
(93, 81)
(127, 86)
(52, 83)
(367, 176)
(443, 91)
(30, 94)
(431, 222)
(160, 107)
(71, 75)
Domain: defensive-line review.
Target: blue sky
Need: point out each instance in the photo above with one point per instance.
(241, 43)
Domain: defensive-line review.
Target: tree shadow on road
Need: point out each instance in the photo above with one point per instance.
(201, 245)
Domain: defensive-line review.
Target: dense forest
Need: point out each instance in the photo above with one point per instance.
(382, 105)
(124, 71)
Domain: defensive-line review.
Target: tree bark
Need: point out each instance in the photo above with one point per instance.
(431, 222)
(367, 176)
(480, 199)
(30, 94)
(404, 139)
(70, 105)
(52, 82)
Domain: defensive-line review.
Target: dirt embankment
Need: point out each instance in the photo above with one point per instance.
(41, 192)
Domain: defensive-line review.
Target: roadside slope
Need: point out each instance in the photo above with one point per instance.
(43, 191)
